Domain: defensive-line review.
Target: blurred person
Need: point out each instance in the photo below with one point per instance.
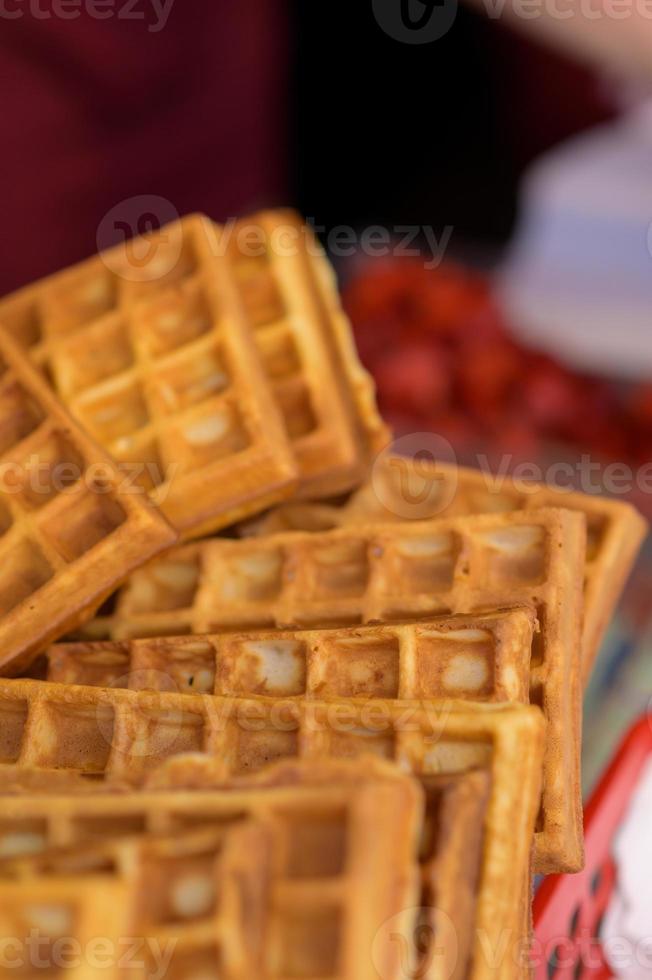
(576, 279)
(611, 35)
(104, 101)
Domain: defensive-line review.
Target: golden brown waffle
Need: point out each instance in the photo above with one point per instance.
(149, 346)
(230, 863)
(492, 864)
(451, 854)
(188, 899)
(384, 573)
(71, 529)
(482, 658)
(326, 398)
(402, 489)
(113, 734)
(449, 935)
(219, 366)
(296, 878)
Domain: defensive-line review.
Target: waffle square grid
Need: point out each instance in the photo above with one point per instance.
(384, 573)
(504, 789)
(405, 489)
(70, 529)
(246, 881)
(152, 353)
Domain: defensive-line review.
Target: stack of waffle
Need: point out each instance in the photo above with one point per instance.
(335, 743)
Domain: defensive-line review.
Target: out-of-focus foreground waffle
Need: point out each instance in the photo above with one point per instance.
(295, 878)
(469, 896)
(402, 489)
(70, 528)
(234, 880)
(219, 369)
(116, 735)
(384, 573)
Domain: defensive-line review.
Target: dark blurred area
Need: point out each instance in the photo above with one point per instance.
(438, 133)
(226, 107)
(97, 111)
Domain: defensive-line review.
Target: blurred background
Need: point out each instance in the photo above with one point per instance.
(486, 197)
(226, 107)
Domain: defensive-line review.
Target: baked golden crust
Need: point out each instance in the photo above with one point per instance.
(385, 896)
(239, 881)
(72, 529)
(382, 573)
(402, 489)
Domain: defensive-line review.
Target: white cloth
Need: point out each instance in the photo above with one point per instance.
(578, 277)
(627, 926)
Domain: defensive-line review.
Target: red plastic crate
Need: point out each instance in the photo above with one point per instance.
(568, 909)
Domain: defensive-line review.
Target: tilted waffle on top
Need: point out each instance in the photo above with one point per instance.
(70, 531)
(216, 368)
(471, 871)
(403, 489)
(294, 878)
(149, 346)
(385, 573)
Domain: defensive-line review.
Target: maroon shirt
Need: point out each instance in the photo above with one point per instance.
(97, 111)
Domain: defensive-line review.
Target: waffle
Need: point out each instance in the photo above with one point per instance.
(478, 887)
(166, 878)
(385, 573)
(157, 360)
(216, 375)
(407, 489)
(326, 398)
(451, 853)
(239, 882)
(71, 530)
(114, 735)
(482, 658)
